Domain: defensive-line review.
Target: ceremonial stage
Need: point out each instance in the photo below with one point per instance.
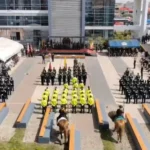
(86, 52)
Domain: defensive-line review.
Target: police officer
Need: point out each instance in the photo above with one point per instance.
(47, 79)
(84, 77)
(59, 78)
(52, 78)
(143, 94)
(42, 78)
(90, 103)
(63, 102)
(74, 103)
(54, 103)
(54, 71)
(69, 77)
(12, 82)
(44, 105)
(82, 103)
(128, 96)
(64, 77)
(80, 77)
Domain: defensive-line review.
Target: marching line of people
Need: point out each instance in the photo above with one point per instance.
(64, 74)
(6, 84)
(79, 98)
(134, 87)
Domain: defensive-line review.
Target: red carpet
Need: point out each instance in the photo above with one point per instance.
(81, 51)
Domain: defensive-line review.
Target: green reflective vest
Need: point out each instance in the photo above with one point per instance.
(82, 101)
(88, 91)
(63, 101)
(55, 96)
(66, 85)
(45, 97)
(81, 85)
(55, 92)
(74, 92)
(64, 95)
(91, 101)
(53, 102)
(44, 103)
(75, 96)
(75, 85)
(74, 102)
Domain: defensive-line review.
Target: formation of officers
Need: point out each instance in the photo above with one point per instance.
(6, 84)
(79, 97)
(134, 87)
(122, 51)
(64, 74)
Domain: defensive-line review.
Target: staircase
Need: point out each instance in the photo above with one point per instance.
(66, 17)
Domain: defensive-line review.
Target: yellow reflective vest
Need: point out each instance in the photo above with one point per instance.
(55, 96)
(53, 102)
(82, 101)
(55, 92)
(45, 97)
(75, 85)
(74, 101)
(90, 101)
(64, 95)
(44, 103)
(81, 85)
(66, 85)
(63, 101)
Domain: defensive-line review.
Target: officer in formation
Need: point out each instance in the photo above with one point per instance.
(45, 99)
(84, 97)
(133, 87)
(48, 76)
(6, 84)
(64, 75)
(79, 72)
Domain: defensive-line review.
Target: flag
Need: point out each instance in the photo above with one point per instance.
(28, 48)
(92, 45)
(50, 66)
(65, 63)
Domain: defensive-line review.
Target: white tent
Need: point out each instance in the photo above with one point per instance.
(8, 48)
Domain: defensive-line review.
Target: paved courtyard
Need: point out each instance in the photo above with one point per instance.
(103, 77)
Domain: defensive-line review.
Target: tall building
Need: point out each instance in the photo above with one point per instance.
(33, 20)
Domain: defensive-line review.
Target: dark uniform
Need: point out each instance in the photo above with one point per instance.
(59, 78)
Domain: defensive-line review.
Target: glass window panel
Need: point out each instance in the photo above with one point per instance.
(44, 4)
(11, 20)
(44, 20)
(2, 5)
(27, 4)
(36, 20)
(27, 20)
(36, 4)
(3, 20)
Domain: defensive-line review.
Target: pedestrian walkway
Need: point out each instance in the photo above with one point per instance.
(112, 78)
(23, 91)
(98, 81)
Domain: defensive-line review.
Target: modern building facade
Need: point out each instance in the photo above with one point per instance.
(33, 20)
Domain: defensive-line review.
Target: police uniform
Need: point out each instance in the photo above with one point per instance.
(69, 77)
(63, 102)
(44, 105)
(59, 78)
(90, 103)
(74, 103)
(52, 77)
(82, 103)
(54, 103)
(64, 77)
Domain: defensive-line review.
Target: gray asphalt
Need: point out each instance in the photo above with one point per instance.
(19, 74)
(119, 65)
(98, 82)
